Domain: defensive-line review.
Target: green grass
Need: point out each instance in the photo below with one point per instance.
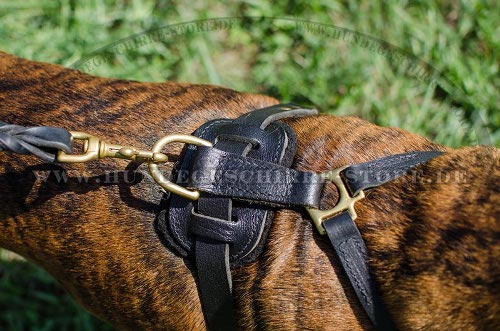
(455, 103)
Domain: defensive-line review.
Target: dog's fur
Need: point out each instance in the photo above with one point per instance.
(433, 242)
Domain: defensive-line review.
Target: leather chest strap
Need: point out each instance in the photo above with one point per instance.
(346, 238)
(236, 176)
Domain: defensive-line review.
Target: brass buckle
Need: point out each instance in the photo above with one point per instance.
(345, 202)
(162, 180)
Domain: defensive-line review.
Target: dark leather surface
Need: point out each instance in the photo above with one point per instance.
(212, 265)
(377, 172)
(219, 230)
(352, 253)
(250, 239)
(227, 174)
(41, 141)
(253, 220)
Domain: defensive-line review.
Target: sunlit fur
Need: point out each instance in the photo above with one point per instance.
(433, 244)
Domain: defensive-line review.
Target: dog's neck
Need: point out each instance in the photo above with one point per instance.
(98, 240)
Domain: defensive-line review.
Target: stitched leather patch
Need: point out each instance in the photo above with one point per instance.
(275, 143)
(254, 221)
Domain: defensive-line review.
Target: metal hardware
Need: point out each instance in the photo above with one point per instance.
(94, 149)
(345, 202)
(162, 180)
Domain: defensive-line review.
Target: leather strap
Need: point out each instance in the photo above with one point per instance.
(41, 141)
(352, 253)
(212, 264)
(346, 238)
(231, 175)
(377, 172)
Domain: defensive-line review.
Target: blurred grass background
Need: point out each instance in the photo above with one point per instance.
(459, 39)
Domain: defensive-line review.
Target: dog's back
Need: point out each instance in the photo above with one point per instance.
(433, 238)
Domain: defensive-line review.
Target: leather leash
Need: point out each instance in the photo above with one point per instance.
(42, 141)
(236, 177)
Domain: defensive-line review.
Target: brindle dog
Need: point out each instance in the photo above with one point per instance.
(433, 239)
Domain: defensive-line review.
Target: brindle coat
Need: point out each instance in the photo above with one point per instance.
(433, 242)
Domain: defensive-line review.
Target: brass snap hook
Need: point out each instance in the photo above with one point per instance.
(94, 149)
(162, 180)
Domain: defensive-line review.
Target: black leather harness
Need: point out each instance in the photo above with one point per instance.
(242, 178)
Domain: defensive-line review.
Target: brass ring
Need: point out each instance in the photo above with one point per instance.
(162, 180)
